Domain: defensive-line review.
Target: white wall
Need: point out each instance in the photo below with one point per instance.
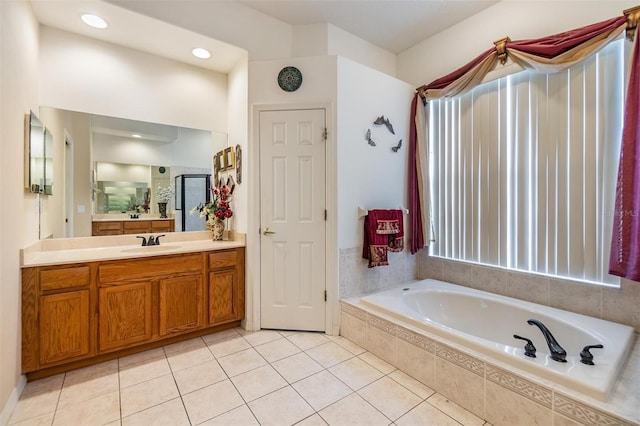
(324, 39)
(369, 176)
(518, 19)
(238, 134)
(18, 216)
(82, 74)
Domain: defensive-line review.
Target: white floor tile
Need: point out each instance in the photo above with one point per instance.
(147, 394)
(145, 370)
(376, 362)
(189, 357)
(199, 376)
(329, 354)
(412, 384)
(219, 336)
(452, 409)
(321, 389)
(277, 349)
(256, 338)
(210, 402)
(196, 342)
(83, 386)
(297, 367)
(391, 398)
(97, 411)
(241, 362)
(170, 413)
(229, 346)
(427, 415)
(356, 373)
(309, 340)
(141, 356)
(38, 398)
(240, 416)
(280, 408)
(353, 411)
(259, 382)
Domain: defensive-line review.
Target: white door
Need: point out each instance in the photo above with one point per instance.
(292, 219)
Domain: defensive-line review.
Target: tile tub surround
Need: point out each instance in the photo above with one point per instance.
(621, 305)
(500, 394)
(356, 279)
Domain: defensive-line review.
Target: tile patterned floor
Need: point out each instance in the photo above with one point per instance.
(239, 378)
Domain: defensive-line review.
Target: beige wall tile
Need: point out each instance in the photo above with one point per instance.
(416, 362)
(575, 297)
(382, 344)
(353, 329)
(456, 272)
(493, 280)
(505, 407)
(455, 411)
(531, 288)
(461, 386)
(622, 305)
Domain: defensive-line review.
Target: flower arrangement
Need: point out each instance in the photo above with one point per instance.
(219, 207)
(164, 194)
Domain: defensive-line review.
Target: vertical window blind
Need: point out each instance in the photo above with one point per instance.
(523, 169)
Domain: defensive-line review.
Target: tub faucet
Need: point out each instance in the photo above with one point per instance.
(557, 352)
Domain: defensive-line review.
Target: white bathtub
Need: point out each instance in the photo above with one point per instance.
(486, 323)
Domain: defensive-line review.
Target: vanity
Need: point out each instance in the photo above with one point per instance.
(114, 224)
(87, 300)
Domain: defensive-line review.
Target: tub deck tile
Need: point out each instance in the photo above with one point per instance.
(520, 386)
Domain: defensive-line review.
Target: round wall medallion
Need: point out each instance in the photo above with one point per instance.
(162, 169)
(289, 79)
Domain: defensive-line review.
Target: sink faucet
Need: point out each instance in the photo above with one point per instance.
(557, 352)
(144, 240)
(154, 241)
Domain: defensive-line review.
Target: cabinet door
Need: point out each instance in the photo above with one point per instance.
(223, 295)
(64, 326)
(125, 315)
(181, 304)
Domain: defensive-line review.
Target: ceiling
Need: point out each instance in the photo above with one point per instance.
(394, 25)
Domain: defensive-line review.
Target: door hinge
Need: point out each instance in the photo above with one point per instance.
(325, 214)
(325, 134)
(325, 295)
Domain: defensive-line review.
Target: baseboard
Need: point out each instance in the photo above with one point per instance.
(13, 401)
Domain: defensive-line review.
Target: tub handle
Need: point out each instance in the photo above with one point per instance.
(586, 357)
(529, 349)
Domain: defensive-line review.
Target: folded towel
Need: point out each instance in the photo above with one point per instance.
(383, 232)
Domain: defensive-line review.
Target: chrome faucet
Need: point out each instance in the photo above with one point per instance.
(557, 352)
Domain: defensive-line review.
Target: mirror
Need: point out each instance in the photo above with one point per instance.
(117, 164)
(35, 154)
(48, 162)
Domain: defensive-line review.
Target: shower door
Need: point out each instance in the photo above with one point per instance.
(191, 190)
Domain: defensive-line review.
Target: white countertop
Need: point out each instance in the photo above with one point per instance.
(89, 249)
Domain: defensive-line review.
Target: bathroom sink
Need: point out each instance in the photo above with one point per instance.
(150, 249)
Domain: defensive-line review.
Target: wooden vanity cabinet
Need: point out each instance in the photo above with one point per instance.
(137, 226)
(84, 313)
(56, 318)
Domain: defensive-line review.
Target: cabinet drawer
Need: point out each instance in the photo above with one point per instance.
(53, 279)
(160, 226)
(149, 268)
(132, 227)
(223, 258)
(104, 226)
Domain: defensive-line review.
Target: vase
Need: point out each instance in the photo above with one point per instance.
(217, 229)
(162, 207)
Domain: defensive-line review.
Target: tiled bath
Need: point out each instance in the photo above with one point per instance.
(502, 396)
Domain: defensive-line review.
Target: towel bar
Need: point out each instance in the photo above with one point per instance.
(363, 212)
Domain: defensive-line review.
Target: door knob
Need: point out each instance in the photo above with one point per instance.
(268, 231)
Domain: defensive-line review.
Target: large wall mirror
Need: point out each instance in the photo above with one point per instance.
(115, 165)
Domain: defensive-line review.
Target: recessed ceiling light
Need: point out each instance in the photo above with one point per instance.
(201, 53)
(135, 135)
(94, 21)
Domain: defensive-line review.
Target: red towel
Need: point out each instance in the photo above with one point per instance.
(383, 232)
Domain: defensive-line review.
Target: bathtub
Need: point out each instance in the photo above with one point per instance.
(486, 322)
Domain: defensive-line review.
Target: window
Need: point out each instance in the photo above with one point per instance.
(523, 169)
